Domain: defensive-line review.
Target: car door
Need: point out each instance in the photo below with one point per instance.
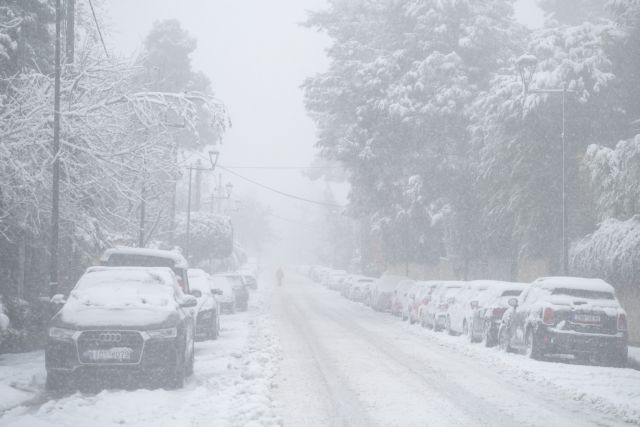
(521, 315)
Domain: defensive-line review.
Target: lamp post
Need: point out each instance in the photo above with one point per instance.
(213, 158)
(526, 66)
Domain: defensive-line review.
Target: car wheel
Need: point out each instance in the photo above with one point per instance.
(57, 381)
(192, 357)
(448, 326)
(215, 330)
(533, 348)
(487, 339)
(503, 339)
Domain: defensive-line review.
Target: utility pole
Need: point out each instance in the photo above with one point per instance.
(143, 196)
(188, 238)
(198, 183)
(55, 190)
(70, 33)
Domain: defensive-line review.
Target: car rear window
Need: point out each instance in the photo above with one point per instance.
(131, 260)
(583, 293)
(512, 293)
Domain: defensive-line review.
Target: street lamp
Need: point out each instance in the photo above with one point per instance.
(526, 66)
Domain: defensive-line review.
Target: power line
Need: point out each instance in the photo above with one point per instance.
(93, 12)
(282, 193)
(283, 167)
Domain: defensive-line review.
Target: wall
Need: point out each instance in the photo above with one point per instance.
(630, 299)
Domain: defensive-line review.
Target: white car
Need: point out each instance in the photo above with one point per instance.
(462, 306)
(208, 309)
(382, 291)
(227, 297)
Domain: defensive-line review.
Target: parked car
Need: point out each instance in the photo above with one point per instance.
(359, 290)
(421, 297)
(335, 279)
(434, 313)
(382, 291)
(240, 290)
(462, 306)
(125, 320)
(123, 256)
(567, 315)
(207, 310)
(226, 297)
(349, 281)
(249, 279)
(492, 304)
(399, 295)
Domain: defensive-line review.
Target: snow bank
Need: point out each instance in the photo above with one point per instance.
(611, 391)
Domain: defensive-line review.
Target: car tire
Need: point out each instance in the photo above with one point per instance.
(215, 331)
(448, 327)
(533, 350)
(191, 362)
(176, 376)
(503, 340)
(487, 337)
(57, 381)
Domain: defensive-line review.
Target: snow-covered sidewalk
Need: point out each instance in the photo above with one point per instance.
(231, 385)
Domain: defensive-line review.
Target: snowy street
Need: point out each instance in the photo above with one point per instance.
(303, 355)
(345, 364)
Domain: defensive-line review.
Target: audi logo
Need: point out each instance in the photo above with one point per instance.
(109, 337)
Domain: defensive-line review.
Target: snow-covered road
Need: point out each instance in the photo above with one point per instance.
(344, 364)
(304, 356)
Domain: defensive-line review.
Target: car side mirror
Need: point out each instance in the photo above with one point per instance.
(58, 299)
(188, 301)
(216, 291)
(513, 302)
(196, 293)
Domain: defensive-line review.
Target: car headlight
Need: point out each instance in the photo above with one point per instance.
(163, 333)
(61, 334)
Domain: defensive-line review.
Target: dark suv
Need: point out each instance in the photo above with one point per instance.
(122, 322)
(567, 315)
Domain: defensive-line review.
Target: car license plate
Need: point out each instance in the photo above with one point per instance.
(587, 318)
(119, 354)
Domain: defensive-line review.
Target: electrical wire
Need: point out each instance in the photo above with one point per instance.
(283, 167)
(282, 193)
(93, 12)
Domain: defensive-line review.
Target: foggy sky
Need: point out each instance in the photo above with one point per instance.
(256, 55)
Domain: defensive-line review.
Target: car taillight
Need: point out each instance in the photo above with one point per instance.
(548, 316)
(498, 312)
(622, 322)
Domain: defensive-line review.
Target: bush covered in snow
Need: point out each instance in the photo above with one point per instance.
(611, 252)
(210, 235)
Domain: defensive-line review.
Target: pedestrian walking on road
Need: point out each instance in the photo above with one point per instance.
(280, 276)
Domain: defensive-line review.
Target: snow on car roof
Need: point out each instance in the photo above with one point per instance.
(575, 283)
(176, 257)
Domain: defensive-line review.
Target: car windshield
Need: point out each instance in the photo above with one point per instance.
(583, 293)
